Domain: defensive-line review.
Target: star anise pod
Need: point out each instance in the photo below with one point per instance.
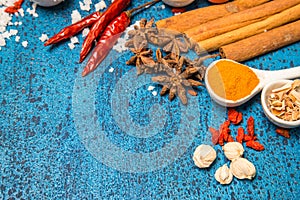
(139, 36)
(198, 65)
(142, 60)
(176, 83)
(171, 41)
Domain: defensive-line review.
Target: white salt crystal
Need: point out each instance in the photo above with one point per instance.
(43, 37)
(13, 31)
(111, 70)
(17, 39)
(85, 32)
(101, 5)
(71, 46)
(74, 40)
(75, 16)
(85, 5)
(154, 93)
(24, 44)
(150, 88)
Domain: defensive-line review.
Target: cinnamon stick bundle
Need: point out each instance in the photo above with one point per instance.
(198, 16)
(214, 43)
(262, 43)
(237, 20)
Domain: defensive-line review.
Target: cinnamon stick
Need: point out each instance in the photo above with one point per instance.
(237, 20)
(286, 16)
(262, 43)
(198, 16)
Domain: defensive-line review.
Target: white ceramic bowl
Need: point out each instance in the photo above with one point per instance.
(264, 102)
(178, 3)
(47, 3)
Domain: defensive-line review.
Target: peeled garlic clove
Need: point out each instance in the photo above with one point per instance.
(204, 156)
(233, 150)
(223, 175)
(241, 168)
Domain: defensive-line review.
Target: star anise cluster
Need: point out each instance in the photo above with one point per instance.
(177, 74)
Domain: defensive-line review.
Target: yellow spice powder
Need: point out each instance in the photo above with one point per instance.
(232, 80)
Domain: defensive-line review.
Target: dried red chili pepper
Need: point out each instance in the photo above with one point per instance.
(255, 145)
(234, 116)
(250, 126)
(248, 138)
(73, 29)
(113, 11)
(283, 132)
(214, 135)
(240, 135)
(13, 9)
(109, 38)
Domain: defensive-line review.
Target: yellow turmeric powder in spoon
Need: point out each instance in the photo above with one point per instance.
(232, 81)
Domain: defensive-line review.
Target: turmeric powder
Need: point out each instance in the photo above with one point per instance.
(232, 81)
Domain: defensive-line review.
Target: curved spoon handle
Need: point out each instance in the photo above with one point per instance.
(268, 76)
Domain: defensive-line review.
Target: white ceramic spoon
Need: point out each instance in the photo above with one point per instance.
(264, 78)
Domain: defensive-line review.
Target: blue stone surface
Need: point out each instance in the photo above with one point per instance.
(107, 136)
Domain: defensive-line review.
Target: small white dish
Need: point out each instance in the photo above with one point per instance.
(178, 3)
(264, 102)
(47, 3)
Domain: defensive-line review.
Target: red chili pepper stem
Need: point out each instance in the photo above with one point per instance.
(129, 12)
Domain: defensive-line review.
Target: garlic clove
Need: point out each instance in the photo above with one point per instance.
(233, 150)
(241, 168)
(204, 156)
(224, 175)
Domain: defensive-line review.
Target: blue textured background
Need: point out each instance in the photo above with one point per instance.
(42, 155)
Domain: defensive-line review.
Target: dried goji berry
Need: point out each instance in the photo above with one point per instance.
(283, 132)
(250, 126)
(224, 130)
(230, 139)
(234, 116)
(248, 138)
(255, 145)
(178, 10)
(221, 139)
(240, 135)
(214, 135)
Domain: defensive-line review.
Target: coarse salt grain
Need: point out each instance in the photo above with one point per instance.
(43, 37)
(17, 39)
(101, 5)
(111, 70)
(33, 10)
(150, 88)
(71, 45)
(85, 32)
(74, 40)
(85, 5)
(25, 44)
(75, 16)
(154, 93)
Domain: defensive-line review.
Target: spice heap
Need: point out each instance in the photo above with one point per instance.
(284, 102)
(240, 29)
(178, 74)
(223, 134)
(231, 80)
